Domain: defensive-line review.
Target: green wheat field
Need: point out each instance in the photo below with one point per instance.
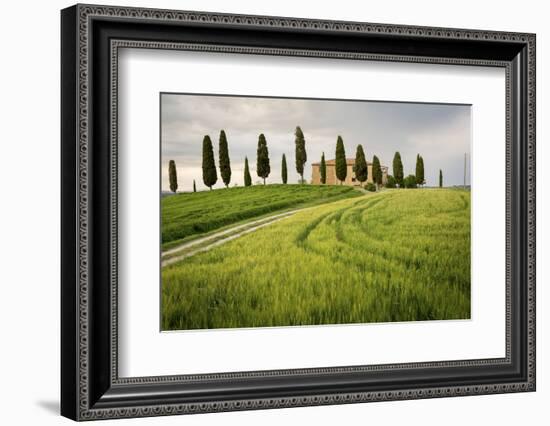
(189, 215)
(349, 257)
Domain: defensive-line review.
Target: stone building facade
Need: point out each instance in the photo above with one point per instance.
(350, 177)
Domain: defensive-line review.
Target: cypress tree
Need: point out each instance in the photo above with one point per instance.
(173, 176)
(262, 160)
(209, 174)
(376, 172)
(284, 175)
(301, 155)
(440, 178)
(225, 166)
(247, 178)
(361, 168)
(422, 170)
(419, 170)
(194, 186)
(341, 166)
(323, 169)
(398, 169)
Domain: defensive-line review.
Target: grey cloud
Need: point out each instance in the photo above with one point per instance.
(440, 133)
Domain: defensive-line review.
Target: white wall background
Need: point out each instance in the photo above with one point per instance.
(29, 212)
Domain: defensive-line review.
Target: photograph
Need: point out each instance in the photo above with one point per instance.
(298, 212)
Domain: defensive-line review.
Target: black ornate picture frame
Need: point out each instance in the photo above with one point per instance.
(91, 387)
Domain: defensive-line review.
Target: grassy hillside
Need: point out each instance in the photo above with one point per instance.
(188, 214)
(395, 256)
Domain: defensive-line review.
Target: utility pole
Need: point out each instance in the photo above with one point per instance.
(464, 186)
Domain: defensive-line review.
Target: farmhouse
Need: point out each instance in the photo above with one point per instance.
(350, 177)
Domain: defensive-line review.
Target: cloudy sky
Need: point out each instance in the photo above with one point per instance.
(438, 132)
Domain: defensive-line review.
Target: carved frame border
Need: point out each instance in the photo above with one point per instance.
(87, 12)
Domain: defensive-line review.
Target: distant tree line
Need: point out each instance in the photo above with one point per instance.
(263, 167)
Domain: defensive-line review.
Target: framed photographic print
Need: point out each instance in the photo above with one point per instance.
(263, 212)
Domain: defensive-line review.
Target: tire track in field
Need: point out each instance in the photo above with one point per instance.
(301, 238)
(375, 245)
(330, 218)
(349, 215)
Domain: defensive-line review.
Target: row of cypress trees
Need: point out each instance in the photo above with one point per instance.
(362, 173)
(263, 168)
(410, 181)
(361, 168)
